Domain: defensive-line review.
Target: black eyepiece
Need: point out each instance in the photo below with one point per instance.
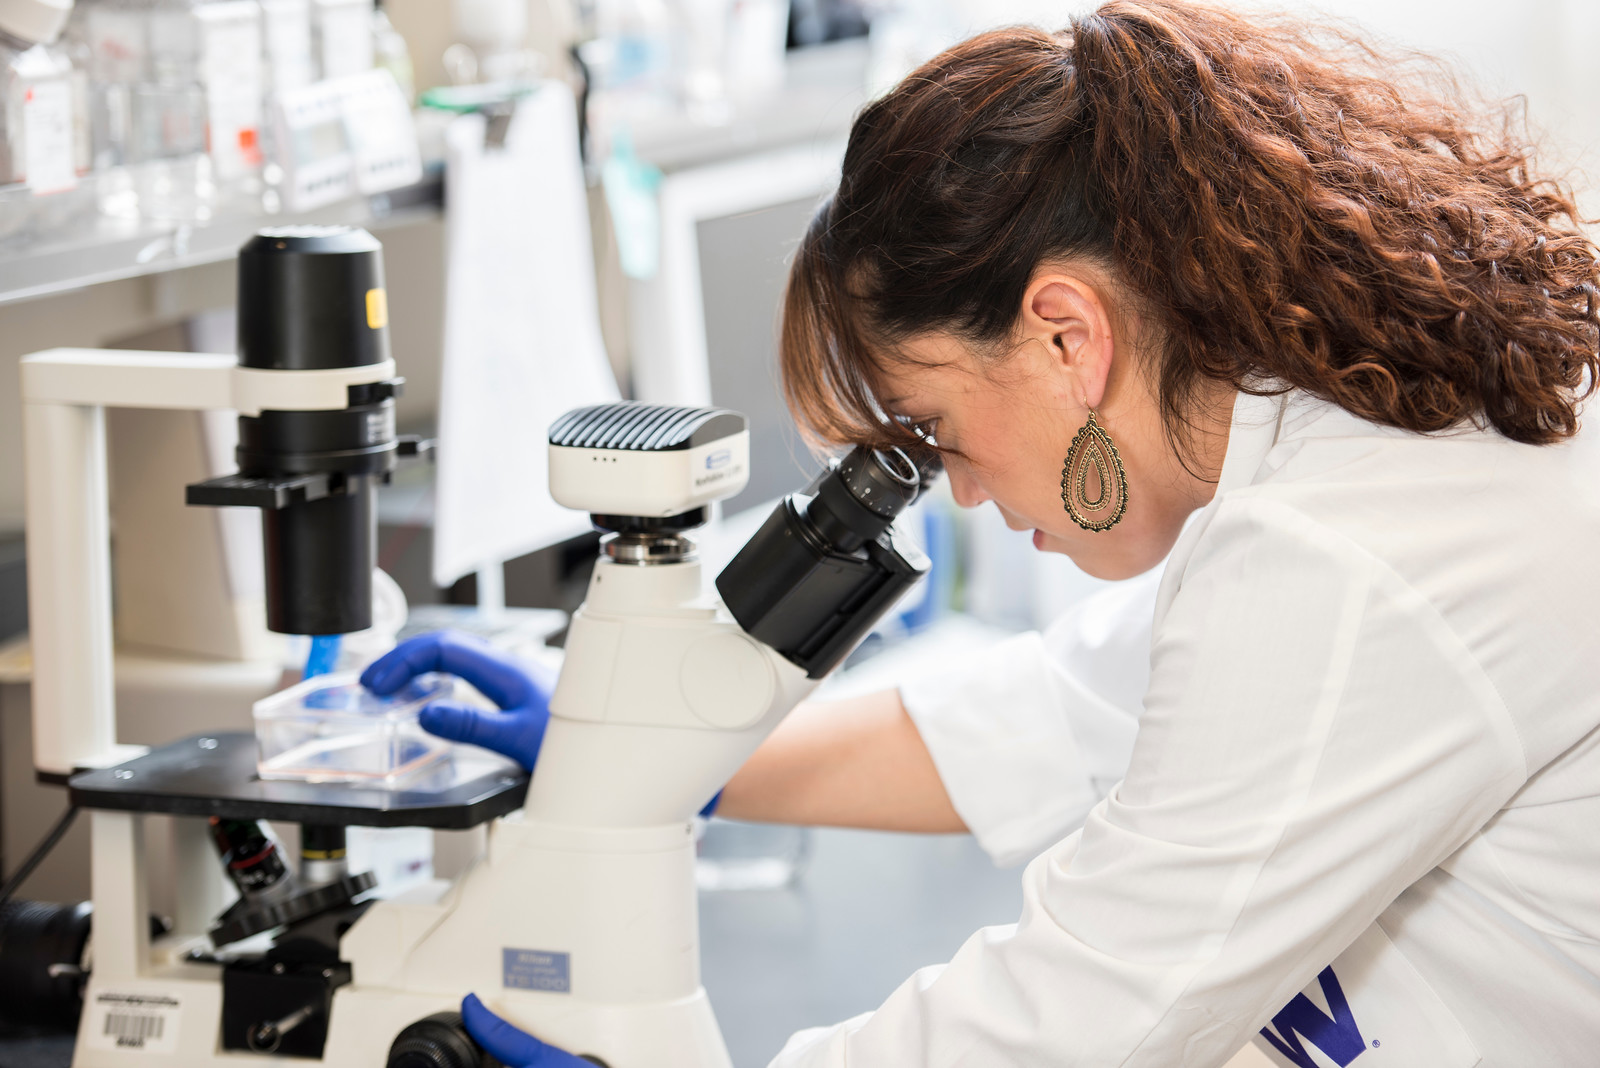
(826, 565)
(883, 482)
(858, 500)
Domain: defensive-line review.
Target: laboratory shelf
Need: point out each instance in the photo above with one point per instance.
(824, 87)
(105, 249)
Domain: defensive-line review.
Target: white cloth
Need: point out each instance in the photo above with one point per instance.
(1368, 769)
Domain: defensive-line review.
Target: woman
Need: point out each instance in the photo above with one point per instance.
(1177, 283)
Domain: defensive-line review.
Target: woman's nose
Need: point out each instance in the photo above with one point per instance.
(963, 487)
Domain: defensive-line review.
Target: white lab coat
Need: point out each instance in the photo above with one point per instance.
(1367, 770)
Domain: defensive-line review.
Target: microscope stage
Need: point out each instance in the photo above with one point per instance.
(215, 775)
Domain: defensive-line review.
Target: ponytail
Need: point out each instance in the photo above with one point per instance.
(1289, 211)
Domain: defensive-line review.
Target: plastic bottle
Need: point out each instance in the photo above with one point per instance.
(41, 148)
(288, 65)
(198, 117)
(286, 37)
(391, 53)
(637, 59)
(341, 32)
(167, 132)
(107, 39)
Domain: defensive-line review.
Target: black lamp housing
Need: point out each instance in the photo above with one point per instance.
(313, 299)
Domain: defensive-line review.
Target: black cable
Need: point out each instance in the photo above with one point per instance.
(40, 851)
(587, 77)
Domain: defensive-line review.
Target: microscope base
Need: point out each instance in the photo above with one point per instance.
(585, 937)
(613, 912)
(675, 1034)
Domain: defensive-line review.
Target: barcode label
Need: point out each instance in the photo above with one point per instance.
(143, 1021)
(132, 1030)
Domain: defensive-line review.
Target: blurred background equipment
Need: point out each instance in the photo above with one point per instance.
(522, 339)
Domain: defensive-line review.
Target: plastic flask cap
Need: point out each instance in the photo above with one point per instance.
(35, 21)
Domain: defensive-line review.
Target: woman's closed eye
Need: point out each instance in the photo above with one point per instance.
(923, 427)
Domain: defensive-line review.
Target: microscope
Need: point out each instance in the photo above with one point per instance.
(578, 923)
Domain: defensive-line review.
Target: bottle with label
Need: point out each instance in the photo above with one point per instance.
(41, 150)
(341, 33)
(286, 41)
(198, 117)
(107, 40)
(166, 147)
(109, 35)
(391, 53)
(288, 65)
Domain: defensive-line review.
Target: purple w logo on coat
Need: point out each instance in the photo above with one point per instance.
(1337, 1036)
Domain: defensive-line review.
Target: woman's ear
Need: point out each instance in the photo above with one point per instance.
(1069, 317)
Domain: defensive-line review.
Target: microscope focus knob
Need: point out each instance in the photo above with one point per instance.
(438, 1041)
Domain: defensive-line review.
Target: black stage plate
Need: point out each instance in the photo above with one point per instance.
(215, 775)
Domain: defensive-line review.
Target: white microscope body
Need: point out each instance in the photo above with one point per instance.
(580, 924)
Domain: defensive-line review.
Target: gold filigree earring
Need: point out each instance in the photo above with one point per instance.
(1100, 506)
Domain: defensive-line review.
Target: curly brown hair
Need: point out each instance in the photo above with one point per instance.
(1290, 207)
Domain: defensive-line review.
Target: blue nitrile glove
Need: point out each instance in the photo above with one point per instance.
(522, 690)
(512, 1046)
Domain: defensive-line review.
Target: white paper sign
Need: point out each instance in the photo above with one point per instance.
(342, 137)
(522, 333)
(383, 136)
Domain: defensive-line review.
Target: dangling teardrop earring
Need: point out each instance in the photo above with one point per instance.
(1093, 448)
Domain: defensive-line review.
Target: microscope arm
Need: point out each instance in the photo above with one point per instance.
(661, 699)
(65, 393)
(666, 693)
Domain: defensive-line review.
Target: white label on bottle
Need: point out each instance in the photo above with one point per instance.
(230, 65)
(47, 132)
(287, 27)
(142, 1021)
(346, 38)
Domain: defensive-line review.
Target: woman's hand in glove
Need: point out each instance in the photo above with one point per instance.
(513, 1047)
(522, 691)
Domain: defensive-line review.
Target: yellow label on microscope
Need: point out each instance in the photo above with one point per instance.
(377, 309)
